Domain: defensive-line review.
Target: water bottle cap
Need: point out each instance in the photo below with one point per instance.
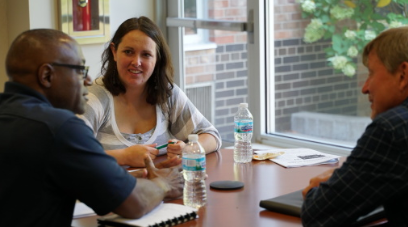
(243, 105)
(193, 137)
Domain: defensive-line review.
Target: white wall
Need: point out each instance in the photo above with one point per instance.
(3, 42)
(13, 19)
(119, 11)
(43, 13)
(17, 16)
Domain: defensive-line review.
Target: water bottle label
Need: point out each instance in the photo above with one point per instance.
(243, 126)
(194, 164)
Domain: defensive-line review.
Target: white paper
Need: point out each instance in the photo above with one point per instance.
(163, 212)
(81, 210)
(301, 157)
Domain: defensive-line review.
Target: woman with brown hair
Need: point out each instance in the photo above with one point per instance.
(135, 105)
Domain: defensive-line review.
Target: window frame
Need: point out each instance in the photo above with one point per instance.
(201, 36)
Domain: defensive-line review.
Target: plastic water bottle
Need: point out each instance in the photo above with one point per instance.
(194, 165)
(243, 121)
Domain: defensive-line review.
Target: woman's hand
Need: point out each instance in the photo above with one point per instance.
(134, 155)
(170, 162)
(175, 148)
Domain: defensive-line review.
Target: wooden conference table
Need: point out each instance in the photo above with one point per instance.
(262, 179)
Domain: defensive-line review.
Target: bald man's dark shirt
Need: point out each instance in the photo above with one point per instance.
(49, 158)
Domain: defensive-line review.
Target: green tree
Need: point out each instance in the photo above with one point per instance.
(350, 24)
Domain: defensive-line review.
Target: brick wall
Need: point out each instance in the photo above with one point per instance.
(229, 71)
(226, 67)
(304, 82)
(230, 86)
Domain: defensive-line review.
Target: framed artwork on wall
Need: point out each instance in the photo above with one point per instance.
(85, 20)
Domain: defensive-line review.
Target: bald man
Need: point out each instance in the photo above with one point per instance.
(48, 157)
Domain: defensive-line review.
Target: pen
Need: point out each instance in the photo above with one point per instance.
(164, 145)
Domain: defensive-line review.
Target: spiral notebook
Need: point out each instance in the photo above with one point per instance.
(166, 214)
(291, 204)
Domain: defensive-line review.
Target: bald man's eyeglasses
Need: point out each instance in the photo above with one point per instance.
(83, 69)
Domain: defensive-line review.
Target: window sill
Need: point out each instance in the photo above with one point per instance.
(199, 46)
(287, 142)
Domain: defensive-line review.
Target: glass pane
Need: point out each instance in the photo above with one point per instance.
(317, 97)
(216, 9)
(216, 65)
(190, 10)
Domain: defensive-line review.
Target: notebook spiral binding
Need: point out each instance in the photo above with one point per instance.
(169, 222)
(176, 220)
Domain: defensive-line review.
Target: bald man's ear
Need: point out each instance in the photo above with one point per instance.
(45, 75)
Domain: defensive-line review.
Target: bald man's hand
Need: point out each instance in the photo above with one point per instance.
(169, 179)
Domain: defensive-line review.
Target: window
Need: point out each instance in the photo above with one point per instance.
(193, 36)
(214, 65)
(310, 103)
(296, 98)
